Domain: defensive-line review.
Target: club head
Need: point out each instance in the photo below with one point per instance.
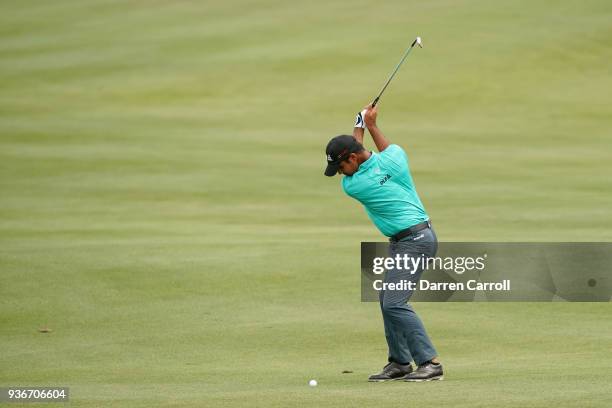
(418, 42)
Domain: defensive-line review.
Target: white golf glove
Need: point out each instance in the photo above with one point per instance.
(359, 120)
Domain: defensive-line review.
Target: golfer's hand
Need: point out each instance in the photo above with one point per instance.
(359, 123)
(370, 116)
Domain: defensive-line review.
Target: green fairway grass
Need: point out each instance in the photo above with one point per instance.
(163, 209)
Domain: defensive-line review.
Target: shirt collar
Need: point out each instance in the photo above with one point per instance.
(368, 163)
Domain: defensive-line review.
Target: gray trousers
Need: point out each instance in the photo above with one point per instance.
(404, 330)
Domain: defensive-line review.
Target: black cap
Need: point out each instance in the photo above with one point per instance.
(338, 149)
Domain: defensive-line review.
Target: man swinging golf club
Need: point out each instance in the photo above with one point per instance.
(383, 184)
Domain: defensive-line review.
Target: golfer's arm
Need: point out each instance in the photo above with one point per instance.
(358, 134)
(379, 139)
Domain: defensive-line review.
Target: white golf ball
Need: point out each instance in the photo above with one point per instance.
(312, 383)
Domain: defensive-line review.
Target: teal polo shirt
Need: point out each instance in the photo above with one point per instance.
(384, 186)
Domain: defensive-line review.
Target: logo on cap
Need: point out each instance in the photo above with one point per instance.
(329, 158)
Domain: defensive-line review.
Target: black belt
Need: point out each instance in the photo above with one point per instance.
(410, 231)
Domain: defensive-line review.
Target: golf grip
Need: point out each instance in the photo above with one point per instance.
(375, 101)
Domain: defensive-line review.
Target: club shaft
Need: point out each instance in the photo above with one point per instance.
(394, 72)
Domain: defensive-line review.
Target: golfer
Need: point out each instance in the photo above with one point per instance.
(383, 184)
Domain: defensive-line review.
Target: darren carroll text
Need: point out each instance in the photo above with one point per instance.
(442, 286)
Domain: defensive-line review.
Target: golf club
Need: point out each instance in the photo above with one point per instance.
(418, 42)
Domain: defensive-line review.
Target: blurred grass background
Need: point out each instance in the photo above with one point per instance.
(164, 212)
